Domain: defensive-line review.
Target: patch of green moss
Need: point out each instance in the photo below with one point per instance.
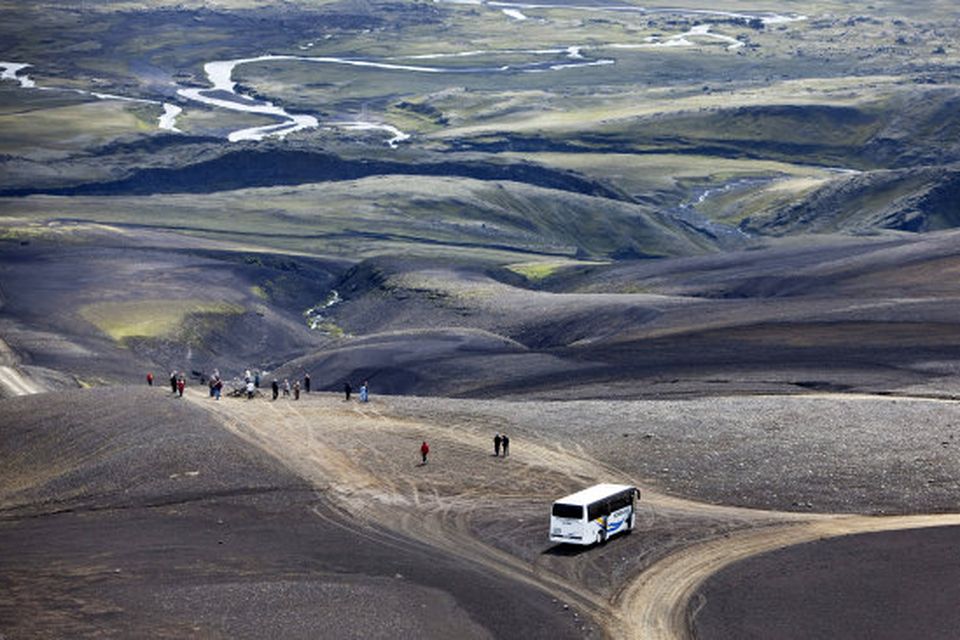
(153, 318)
(332, 329)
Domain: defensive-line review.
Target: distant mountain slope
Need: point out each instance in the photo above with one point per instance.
(925, 199)
(910, 127)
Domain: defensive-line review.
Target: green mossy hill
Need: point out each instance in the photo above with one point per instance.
(911, 127)
(906, 200)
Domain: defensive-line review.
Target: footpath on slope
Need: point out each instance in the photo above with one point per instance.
(363, 461)
(12, 381)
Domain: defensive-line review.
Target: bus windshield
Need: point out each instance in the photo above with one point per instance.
(567, 511)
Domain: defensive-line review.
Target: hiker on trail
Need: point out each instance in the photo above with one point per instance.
(275, 386)
(246, 376)
(217, 388)
(296, 390)
(505, 443)
(256, 379)
(150, 379)
(496, 444)
(424, 450)
(364, 392)
(214, 379)
(173, 381)
(286, 388)
(306, 382)
(250, 390)
(181, 383)
(347, 389)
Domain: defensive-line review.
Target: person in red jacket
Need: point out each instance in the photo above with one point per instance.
(424, 450)
(150, 379)
(181, 383)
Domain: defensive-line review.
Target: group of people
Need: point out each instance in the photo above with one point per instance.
(276, 387)
(501, 442)
(364, 391)
(251, 383)
(178, 382)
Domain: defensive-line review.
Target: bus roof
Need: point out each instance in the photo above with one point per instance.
(594, 493)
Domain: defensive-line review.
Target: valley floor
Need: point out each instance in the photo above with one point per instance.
(288, 504)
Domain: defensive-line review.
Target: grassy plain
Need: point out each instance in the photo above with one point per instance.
(381, 215)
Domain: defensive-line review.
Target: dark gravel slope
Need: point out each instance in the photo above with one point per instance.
(891, 585)
(124, 512)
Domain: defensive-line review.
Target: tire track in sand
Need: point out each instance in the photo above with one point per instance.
(351, 454)
(328, 443)
(655, 606)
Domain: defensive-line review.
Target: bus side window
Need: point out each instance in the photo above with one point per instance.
(596, 510)
(621, 501)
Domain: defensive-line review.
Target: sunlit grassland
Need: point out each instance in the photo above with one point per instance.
(641, 174)
(541, 270)
(751, 201)
(202, 120)
(72, 126)
(599, 112)
(151, 318)
(415, 215)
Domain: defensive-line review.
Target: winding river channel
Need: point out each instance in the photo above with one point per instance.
(222, 93)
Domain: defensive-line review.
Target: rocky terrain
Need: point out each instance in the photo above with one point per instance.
(708, 251)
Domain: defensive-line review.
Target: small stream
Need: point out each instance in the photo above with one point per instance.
(688, 213)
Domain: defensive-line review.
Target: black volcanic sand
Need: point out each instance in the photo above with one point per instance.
(820, 453)
(126, 512)
(852, 314)
(861, 315)
(903, 584)
(47, 283)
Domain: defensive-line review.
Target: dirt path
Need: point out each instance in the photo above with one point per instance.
(655, 606)
(12, 381)
(365, 463)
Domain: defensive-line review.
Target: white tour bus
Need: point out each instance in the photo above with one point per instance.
(593, 515)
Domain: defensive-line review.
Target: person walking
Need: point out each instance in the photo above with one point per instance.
(256, 379)
(296, 390)
(306, 382)
(250, 390)
(173, 381)
(217, 388)
(149, 378)
(347, 390)
(364, 392)
(496, 445)
(505, 443)
(286, 387)
(275, 387)
(424, 450)
(181, 383)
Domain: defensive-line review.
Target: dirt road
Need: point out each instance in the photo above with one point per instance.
(365, 461)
